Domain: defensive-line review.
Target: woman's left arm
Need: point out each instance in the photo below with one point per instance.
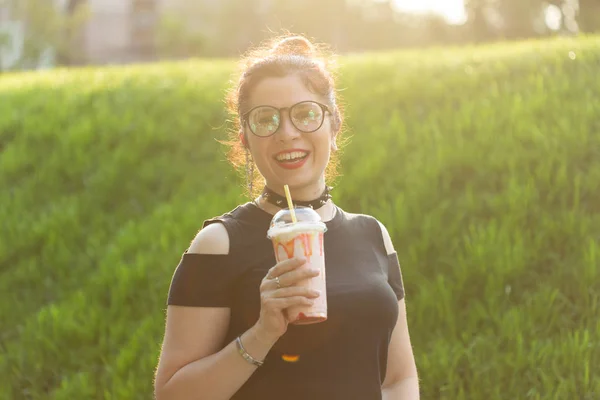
(401, 379)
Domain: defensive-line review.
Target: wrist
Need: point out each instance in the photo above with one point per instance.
(262, 336)
(255, 344)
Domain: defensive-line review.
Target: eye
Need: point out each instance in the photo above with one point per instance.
(267, 118)
(265, 121)
(310, 117)
(307, 114)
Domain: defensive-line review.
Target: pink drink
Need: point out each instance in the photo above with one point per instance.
(302, 239)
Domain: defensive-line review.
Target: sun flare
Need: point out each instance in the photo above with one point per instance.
(452, 10)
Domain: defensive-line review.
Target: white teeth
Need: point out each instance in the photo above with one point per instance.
(291, 156)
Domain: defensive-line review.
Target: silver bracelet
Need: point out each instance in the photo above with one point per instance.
(244, 353)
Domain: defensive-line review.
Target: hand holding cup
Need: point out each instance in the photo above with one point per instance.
(281, 289)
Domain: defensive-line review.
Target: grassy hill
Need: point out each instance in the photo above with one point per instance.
(483, 162)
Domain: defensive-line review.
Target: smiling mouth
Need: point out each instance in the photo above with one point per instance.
(291, 157)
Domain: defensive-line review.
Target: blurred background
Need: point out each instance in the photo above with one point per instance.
(478, 146)
(47, 33)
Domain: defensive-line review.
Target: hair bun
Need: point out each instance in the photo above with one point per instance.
(294, 46)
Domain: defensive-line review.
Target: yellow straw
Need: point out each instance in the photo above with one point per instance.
(290, 204)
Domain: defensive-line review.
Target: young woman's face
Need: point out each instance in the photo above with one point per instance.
(290, 156)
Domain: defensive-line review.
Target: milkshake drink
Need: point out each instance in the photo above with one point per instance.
(302, 239)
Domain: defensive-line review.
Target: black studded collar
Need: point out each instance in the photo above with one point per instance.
(281, 202)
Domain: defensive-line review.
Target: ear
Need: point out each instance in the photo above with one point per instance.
(337, 121)
(243, 139)
(334, 147)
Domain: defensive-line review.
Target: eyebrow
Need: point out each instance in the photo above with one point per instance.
(286, 107)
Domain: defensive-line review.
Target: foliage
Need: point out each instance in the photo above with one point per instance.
(483, 162)
(5, 46)
(228, 27)
(47, 29)
(358, 25)
(176, 38)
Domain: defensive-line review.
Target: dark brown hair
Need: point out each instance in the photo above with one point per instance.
(282, 56)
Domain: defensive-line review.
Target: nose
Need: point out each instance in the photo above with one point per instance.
(287, 130)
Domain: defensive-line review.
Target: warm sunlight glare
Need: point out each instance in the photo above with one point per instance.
(452, 10)
(553, 16)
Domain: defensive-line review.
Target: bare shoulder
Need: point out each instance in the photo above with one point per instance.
(387, 240)
(192, 333)
(212, 239)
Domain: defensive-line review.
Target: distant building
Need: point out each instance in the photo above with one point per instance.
(120, 31)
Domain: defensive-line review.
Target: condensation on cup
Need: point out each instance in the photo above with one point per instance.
(302, 239)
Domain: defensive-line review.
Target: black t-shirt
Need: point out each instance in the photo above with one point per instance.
(342, 358)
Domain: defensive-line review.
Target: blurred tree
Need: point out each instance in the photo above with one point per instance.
(50, 32)
(186, 28)
(71, 52)
(239, 23)
(375, 25)
(229, 27)
(5, 45)
(506, 19)
(477, 21)
(519, 17)
(589, 15)
(436, 30)
(175, 38)
(323, 20)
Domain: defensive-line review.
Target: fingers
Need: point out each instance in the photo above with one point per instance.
(293, 277)
(294, 291)
(285, 266)
(289, 278)
(281, 303)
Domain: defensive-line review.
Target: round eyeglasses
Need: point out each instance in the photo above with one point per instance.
(306, 116)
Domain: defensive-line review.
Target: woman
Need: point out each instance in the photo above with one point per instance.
(226, 335)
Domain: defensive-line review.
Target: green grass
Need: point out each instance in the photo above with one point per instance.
(483, 162)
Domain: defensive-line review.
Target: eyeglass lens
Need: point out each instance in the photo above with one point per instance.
(305, 116)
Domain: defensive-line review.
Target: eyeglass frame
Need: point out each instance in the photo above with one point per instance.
(324, 109)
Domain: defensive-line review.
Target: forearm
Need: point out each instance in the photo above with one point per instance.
(218, 376)
(407, 389)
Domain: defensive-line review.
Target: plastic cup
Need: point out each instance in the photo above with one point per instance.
(302, 239)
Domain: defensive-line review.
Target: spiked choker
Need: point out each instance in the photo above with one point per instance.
(281, 202)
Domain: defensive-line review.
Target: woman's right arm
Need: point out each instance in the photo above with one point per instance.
(192, 364)
(191, 367)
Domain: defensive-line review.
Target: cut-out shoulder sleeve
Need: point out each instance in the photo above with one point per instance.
(395, 275)
(387, 240)
(205, 280)
(394, 271)
(212, 239)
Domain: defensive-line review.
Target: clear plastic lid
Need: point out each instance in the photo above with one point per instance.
(308, 219)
